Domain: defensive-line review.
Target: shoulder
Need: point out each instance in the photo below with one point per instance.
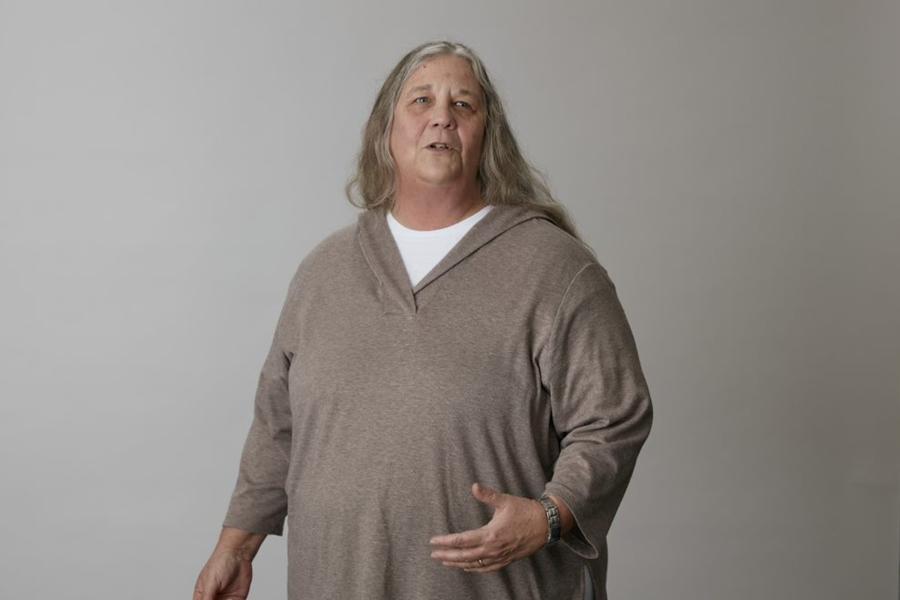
(555, 253)
(332, 247)
(326, 255)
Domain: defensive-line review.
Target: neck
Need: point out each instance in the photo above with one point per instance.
(435, 207)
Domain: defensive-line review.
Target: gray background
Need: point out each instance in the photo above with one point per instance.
(165, 165)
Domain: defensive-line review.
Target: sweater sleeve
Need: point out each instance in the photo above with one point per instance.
(259, 501)
(600, 406)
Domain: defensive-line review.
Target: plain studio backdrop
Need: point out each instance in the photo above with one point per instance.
(164, 166)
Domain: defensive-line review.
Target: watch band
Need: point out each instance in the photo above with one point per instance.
(552, 519)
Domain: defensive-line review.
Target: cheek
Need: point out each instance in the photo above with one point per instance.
(400, 130)
(476, 143)
(398, 144)
(407, 137)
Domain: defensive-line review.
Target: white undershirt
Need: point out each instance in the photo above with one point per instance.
(421, 250)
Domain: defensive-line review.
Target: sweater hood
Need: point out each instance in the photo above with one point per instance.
(384, 259)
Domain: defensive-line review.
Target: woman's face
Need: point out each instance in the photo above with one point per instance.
(440, 102)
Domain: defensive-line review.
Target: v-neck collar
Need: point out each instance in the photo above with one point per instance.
(383, 256)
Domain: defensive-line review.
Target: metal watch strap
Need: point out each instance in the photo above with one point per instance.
(552, 519)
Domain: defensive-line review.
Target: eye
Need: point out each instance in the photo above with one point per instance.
(463, 102)
(416, 101)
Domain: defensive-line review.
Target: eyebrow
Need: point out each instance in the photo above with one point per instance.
(427, 87)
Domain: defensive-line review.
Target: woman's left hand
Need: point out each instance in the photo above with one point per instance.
(518, 529)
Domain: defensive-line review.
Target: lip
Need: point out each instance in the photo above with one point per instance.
(449, 146)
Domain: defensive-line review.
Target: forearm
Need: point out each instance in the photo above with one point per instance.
(243, 543)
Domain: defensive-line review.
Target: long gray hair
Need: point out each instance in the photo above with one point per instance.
(505, 177)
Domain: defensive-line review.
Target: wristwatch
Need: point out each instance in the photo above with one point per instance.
(552, 519)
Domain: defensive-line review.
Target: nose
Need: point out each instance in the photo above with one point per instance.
(442, 116)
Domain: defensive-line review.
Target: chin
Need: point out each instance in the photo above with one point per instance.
(439, 178)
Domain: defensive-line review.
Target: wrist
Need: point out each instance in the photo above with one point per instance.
(551, 513)
(237, 552)
(567, 520)
(243, 545)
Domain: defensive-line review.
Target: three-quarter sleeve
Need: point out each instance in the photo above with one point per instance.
(600, 405)
(259, 501)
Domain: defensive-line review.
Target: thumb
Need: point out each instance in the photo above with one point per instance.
(487, 494)
(204, 589)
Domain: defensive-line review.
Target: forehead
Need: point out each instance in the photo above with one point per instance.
(445, 68)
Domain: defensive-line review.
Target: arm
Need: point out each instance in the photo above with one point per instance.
(259, 503)
(244, 544)
(228, 572)
(600, 405)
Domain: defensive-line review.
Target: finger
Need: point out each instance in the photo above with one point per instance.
(467, 555)
(487, 494)
(207, 594)
(490, 569)
(205, 588)
(471, 555)
(466, 539)
(202, 592)
(476, 568)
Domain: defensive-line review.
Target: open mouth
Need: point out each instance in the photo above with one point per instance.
(439, 147)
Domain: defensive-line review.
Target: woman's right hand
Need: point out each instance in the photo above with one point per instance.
(226, 576)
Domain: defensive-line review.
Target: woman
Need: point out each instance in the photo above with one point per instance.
(452, 386)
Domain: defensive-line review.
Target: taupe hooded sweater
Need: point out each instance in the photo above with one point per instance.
(510, 363)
